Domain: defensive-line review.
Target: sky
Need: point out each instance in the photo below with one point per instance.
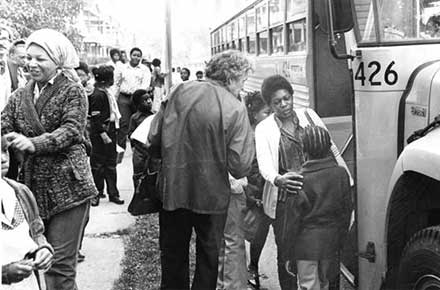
(191, 22)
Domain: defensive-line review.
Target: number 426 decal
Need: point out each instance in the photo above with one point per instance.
(390, 76)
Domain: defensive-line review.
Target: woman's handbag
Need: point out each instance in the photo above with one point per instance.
(146, 196)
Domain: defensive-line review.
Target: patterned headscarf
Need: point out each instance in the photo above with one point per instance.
(59, 49)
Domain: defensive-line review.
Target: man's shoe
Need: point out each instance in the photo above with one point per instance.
(116, 200)
(95, 201)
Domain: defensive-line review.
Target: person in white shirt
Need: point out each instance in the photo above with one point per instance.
(132, 76)
(16, 62)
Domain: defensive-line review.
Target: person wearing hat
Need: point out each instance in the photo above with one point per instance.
(280, 156)
(104, 119)
(45, 121)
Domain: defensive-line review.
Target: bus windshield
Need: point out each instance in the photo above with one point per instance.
(398, 20)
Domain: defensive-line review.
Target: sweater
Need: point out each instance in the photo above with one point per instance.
(58, 172)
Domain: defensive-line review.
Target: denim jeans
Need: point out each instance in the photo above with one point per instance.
(232, 273)
(63, 232)
(175, 235)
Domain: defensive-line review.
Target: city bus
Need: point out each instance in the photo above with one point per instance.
(393, 48)
(284, 37)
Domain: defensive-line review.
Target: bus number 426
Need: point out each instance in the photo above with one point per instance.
(390, 75)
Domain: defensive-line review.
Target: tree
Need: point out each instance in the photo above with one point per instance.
(25, 16)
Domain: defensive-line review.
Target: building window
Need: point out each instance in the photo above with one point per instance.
(297, 35)
(277, 40)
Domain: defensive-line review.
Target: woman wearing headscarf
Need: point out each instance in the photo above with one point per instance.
(46, 122)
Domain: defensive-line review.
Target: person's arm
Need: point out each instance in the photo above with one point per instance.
(96, 117)
(72, 126)
(240, 148)
(146, 79)
(8, 116)
(264, 155)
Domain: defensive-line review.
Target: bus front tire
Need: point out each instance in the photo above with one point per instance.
(420, 263)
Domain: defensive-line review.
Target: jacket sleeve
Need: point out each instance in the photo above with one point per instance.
(240, 148)
(264, 155)
(346, 207)
(8, 115)
(72, 126)
(335, 151)
(96, 117)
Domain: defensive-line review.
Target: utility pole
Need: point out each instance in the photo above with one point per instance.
(168, 46)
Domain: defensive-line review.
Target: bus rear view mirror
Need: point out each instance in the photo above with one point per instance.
(342, 15)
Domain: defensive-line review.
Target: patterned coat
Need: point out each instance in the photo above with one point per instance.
(58, 173)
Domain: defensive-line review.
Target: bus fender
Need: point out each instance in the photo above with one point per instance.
(421, 156)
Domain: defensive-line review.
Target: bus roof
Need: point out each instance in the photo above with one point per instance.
(253, 4)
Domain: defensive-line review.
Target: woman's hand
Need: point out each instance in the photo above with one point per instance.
(43, 259)
(16, 271)
(291, 182)
(20, 142)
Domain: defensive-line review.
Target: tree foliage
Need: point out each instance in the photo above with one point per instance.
(26, 16)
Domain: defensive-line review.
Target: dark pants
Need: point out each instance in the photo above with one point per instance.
(126, 108)
(175, 235)
(63, 232)
(257, 243)
(139, 166)
(103, 162)
(287, 282)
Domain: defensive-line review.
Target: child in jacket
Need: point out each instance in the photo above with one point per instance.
(325, 216)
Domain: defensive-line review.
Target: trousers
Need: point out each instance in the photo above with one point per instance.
(175, 234)
(232, 273)
(63, 232)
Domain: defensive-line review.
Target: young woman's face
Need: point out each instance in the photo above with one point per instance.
(41, 66)
(262, 114)
(282, 104)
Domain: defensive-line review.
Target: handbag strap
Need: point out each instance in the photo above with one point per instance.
(311, 122)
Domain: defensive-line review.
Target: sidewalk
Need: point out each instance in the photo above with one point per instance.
(103, 245)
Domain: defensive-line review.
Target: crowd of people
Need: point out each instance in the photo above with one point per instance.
(231, 166)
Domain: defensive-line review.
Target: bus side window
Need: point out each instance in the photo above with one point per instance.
(262, 42)
(277, 40)
(297, 36)
(251, 43)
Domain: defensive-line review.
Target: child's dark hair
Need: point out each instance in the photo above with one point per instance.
(316, 142)
(103, 75)
(137, 96)
(254, 103)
